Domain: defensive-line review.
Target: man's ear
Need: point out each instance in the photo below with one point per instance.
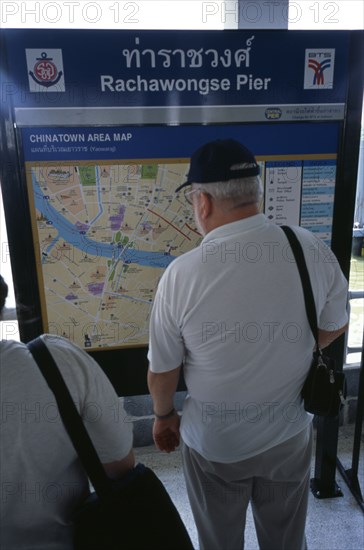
(205, 205)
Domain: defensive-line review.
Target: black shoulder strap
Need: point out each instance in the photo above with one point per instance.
(71, 417)
(305, 279)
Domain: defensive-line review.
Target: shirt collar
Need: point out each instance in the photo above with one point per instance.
(240, 226)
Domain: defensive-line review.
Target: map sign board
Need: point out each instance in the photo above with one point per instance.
(105, 138)
(107, 229)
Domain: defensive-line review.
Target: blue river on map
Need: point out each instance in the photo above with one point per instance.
(77, 238)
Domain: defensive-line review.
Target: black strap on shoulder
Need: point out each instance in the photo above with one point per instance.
(71, 417)
(305, 279)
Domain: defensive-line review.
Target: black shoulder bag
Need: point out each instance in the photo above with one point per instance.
(324, 390)
(134, 513)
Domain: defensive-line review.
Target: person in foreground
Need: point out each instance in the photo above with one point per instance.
(232, 312)
(43, 481)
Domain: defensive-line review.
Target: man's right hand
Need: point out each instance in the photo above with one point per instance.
(166, 433)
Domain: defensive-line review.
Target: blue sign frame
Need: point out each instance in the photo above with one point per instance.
(283, 93)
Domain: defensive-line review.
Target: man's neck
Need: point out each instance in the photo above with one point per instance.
(223, 216)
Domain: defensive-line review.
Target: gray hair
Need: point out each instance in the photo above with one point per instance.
(241, 191)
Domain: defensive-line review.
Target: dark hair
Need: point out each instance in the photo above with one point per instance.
(3, 292)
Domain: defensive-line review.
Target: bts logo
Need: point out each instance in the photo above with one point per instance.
(319, 69)
(45, 70)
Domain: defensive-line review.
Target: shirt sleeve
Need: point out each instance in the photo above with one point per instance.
(101, 409)
(105, 418)
(166, 348)
(334, 314)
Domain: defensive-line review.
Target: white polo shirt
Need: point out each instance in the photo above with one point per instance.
(42, 479)
(232, 310)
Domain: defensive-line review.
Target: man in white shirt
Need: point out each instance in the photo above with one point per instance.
(42, 479)
(232, 312)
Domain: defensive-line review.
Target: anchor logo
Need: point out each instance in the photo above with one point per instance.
(45, 72)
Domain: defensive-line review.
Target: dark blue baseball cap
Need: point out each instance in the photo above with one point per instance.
(213, 161)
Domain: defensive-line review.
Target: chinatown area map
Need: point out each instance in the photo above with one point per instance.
(106, 232)
(107, 222)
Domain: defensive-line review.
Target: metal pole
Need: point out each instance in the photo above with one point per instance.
(350, 476)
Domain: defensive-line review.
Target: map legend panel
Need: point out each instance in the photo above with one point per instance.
(283, 191)
(318, 192)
